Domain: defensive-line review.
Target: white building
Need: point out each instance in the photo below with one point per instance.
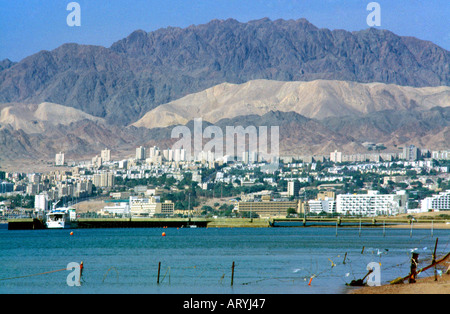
(245, 157)
(327, 205)
(436, 202)
(106, 155)
(179, 155)
(336, 156)
(41, 202)
(140, 153)
(293, 187)
(97, 161)
(441, 155)
(59, 159)
(123, 164)
(143, 207)
(148, 207)
(118, 208)
(154, 151)
(372, 204)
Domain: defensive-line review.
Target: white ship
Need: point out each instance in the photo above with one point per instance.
(60, 218)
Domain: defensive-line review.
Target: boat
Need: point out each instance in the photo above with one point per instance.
(59, 218)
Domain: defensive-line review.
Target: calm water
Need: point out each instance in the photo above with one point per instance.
(267, 260)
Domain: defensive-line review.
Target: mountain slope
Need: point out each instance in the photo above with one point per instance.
(144, 70)
(33, 118)
(315, 99)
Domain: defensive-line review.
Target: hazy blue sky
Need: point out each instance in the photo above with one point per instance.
(28, 26)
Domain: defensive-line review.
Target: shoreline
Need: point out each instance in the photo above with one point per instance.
(425, 285)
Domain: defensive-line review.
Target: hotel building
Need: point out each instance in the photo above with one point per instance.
(436, 202)
(372, 204)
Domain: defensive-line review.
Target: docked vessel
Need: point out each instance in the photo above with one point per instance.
(59, 218)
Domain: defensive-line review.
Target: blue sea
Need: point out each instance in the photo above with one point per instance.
(199, 261)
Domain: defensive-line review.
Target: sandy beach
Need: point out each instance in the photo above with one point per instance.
(422, 286)
(426, 283)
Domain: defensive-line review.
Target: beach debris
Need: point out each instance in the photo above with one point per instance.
(414, 263)
(332, 264)
(359, 282)
(413, 273)
(396, 281)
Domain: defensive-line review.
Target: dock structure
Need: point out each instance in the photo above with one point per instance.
(141, 222)
(352, 221)
(26, 224)
(86, 223)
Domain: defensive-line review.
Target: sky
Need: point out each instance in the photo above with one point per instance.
(29, 26)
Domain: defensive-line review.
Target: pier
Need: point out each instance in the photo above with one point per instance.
(354, 221)
(85, 223)
(26, 224)
(141, 222)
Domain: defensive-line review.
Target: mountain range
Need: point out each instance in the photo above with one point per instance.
(346, 85)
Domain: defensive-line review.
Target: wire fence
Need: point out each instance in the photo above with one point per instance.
(343, 268)
(340, 267)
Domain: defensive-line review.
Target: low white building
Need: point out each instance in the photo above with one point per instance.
(118, 208)
(149, 207)
(327, 205)
(372, 204)
(437, 202)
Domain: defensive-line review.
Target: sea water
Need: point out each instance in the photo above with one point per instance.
(304, 260)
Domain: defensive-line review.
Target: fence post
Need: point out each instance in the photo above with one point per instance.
(414, 263)
(159, 271)
(434, 259)
(232, 274)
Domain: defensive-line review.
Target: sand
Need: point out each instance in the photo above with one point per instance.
(421, 286)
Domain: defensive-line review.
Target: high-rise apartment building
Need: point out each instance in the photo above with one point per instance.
(140, 153)
(411, 153)
(59, 159)
(106, 155)
(336, 156)
(293, 187)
